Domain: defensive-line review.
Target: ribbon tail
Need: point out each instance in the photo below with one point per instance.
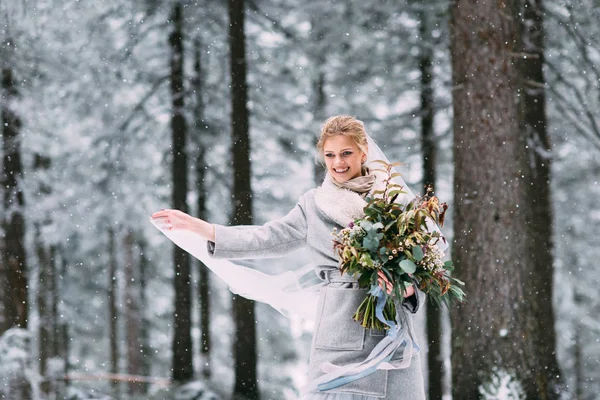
(379, 358)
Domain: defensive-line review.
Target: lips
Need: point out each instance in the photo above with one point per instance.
(341, 171)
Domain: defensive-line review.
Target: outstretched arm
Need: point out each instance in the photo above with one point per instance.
(175, 219)
(274, 238)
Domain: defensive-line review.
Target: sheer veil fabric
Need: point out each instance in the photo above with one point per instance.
(292, 292)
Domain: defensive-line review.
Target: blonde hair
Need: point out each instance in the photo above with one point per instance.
(343, 125)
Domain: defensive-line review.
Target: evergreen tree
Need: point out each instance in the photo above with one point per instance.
(496, 332)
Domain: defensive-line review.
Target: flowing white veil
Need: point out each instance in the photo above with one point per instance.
(295, 291)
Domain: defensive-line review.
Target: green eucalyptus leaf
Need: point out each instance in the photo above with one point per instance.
(417, 253)
(408, 266)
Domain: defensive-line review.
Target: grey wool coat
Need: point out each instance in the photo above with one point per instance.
(337, 339)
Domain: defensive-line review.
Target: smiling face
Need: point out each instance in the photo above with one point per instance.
(343, 158)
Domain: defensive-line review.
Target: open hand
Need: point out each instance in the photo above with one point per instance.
(172, 219)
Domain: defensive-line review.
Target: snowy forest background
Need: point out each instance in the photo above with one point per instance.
(102, 101)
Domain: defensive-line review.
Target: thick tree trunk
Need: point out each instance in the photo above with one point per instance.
(496, 332)
(534, 125)
(435, 363)
(133, 316)
(203, 276)
(112, 310)
(183, 368)
(246, 385)
(15, 301)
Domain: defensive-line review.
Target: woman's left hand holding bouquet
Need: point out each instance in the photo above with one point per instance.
(387, 286)
(174, 219)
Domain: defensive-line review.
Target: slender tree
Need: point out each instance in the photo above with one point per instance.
(183, 368)
(435, 362)
(497, 332)
(144, 328)
(113, 315)
(46, 292)
(133, 316)
(14, 261)
(201, 131)
(319, 100)
(244, 347)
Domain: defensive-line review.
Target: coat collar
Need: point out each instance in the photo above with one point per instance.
(342, 205)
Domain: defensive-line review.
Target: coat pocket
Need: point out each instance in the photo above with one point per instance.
(336, 330)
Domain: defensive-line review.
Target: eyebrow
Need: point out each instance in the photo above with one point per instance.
(346, 149)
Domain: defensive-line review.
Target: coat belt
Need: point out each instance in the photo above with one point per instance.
(335, 276)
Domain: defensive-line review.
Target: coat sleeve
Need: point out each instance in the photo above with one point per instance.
(413, 303)
(272, 239)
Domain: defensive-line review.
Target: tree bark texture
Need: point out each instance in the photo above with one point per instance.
(498, 330)
(244, 348)
(534, 125)
(203, 276)
(183, 368)
(14, 293)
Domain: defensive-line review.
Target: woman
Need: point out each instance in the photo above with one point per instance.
(346, 361)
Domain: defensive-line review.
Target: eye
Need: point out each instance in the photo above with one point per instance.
(347, 153)
(329, 155)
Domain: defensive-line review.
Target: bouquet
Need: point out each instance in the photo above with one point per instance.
(394, 239)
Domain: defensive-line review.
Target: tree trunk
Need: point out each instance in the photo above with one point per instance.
(203, 276)
(534, 125)
(144, 327)
(14, 262)
(46, 345)
(246, 385)
(133, 317)
(319, 115)
(318, 92)
(46, 292)
(112, 310)
(61, 328)
(577, 353)
(183, 368)
(496, 332)
(435, 362)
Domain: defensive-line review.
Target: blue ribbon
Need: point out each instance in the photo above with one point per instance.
(377, 292)
(350, 378)
(381, 296)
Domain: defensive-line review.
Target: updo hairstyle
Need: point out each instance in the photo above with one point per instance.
(346, 126)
